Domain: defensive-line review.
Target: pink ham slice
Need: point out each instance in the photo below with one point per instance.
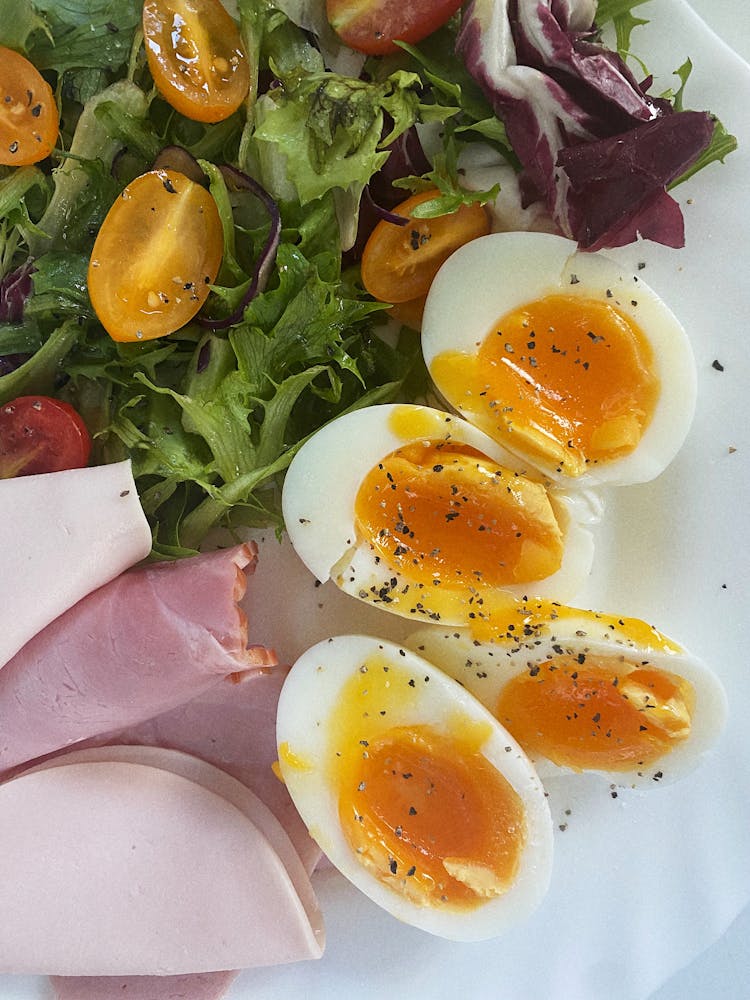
(150, 640)
(145, 862)
(63, 534)
(234, 727)
(199, 986)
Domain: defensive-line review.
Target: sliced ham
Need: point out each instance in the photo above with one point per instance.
(144, 862)
(64, 534)
(198, 986)
(234, 727)
(152, 639)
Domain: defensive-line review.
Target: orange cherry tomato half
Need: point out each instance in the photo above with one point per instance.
(157, 252)
(399, 262)
(29, 121)
(372, 25)
(196, 57)
(41, 434)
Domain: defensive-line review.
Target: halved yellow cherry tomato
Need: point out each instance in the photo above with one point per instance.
(157, 252)
(196, 57)
(29, 121)
(399, 262)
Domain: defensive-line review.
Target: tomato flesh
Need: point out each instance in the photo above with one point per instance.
(29, 121)
(196, 57)
(157, 252)
(371, 26)
(399, 262)
(41, 434)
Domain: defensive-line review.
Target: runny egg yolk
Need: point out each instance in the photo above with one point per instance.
(565, 378)
(425, 811)
(445, 513)
(600, 713)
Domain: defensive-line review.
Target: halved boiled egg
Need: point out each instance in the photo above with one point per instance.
(561, 356)
(415, 510)
(412, 789)
(585, 691)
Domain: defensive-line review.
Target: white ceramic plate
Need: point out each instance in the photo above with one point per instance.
(645, 882)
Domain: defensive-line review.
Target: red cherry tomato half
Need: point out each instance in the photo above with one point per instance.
(41, 434)
(196, 57)
(372, 25)
(29, 122)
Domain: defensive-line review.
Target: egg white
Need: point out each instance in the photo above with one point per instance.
(485, 667)
(319, 496)
(495, 274)
(310, 699)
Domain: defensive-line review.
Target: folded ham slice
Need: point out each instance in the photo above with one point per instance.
(152, 639)
(140, 862)
(62, 535)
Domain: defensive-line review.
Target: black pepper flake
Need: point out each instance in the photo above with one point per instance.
(169, 186)
(393, 865)
(13, 148)
(412, 871)
(412, 811)
(717, 365)
(574, 279)
(414, 239)
(124, 493)
(36, 110)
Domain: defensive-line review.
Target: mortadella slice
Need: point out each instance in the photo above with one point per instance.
(214, 780)
(198, 986)
(62, 535)
(150, 640)
(234, 727)
(123, 868)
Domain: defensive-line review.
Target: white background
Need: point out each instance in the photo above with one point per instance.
(724, 970)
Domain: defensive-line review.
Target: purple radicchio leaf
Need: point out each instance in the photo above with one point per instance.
(617, 185)
(597, 77)
(593, 145)
(15, 289)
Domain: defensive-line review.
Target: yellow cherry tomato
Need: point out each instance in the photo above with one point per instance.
(399, 262)
(158, 251)
(29, 122)
(196, 57)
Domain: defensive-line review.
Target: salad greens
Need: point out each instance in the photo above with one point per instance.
(211, 417)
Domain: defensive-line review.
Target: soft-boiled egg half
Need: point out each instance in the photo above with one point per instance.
(562, 356)
(584, 691)
(418, 512)
(412, 789)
